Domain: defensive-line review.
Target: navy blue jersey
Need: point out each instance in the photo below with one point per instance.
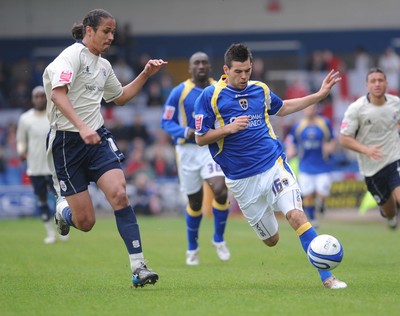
(250, 151)
(178, 113)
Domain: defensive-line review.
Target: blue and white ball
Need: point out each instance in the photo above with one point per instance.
(325, 252)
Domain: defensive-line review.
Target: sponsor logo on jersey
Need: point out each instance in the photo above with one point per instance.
(241, 95)
(86, 70)
(169, 111)
(65, 76)
(198, 121)
(255, 120)
(244, 104)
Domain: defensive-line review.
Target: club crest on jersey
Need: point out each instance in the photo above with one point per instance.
(244, 104)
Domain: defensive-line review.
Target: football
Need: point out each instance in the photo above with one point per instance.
(325, 252)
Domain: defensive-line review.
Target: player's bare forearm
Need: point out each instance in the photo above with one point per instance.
(214, 135)
(295, 105)
(62, 102)
(350, 143)
(134, 87)
(372, 152)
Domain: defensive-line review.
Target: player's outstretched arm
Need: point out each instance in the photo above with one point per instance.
(134, 87)
(294, 105)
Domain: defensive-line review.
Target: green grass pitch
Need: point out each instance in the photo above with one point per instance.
(90, 274)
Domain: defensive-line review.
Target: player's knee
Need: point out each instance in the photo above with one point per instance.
(271, 241)
(296, 218)
(119, 197)
(220, 192)
(195, 205)
(85, 225)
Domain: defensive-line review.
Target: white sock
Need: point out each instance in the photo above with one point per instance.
(136, 259)
(49, 228)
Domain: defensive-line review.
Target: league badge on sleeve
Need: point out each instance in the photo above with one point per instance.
(65, 76)
(168, 112)
(199, 121)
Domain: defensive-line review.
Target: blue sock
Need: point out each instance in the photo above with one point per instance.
(66, 214)
(221, 213)
(306, 234)
(193, 220)
(129, 229)
(310, 211)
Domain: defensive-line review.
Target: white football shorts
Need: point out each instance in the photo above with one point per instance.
(195, 164)
(261, 195)
(319, 183)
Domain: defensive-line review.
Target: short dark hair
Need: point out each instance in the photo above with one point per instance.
(237, 52)
(93, 19)
(374, 70)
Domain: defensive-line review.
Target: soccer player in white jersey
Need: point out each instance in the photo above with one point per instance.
(232, 118)
(370, 128)
(195, 163)
(312, 139)
(32, 129)
(80, 149)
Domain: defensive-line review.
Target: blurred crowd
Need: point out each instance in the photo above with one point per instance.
(150, 154)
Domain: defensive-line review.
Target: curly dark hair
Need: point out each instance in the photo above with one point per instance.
(92, 18)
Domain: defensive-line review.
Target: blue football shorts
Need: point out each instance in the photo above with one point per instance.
(42, 185)
(76, 164)
(382, 183)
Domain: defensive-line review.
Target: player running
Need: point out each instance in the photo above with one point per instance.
(232, 118)
(80, 149)
(195, 163)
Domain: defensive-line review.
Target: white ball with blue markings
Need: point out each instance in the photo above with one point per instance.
(325, 252)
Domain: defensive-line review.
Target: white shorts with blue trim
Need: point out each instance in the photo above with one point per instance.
(261, 195)
(195, 164)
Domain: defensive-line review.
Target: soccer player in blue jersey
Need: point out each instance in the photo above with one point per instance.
(312, 139)
(80, 149)
(195, 163)
(232, 118)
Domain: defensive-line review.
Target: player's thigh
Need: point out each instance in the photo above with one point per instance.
(68, 154)
(307, 183)
(324, 184)
(189, 167)
(250, 196)
(267, 226)
(39, 184)
(81, 207)
(210, 169)
(289, 200)
(113, 185)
